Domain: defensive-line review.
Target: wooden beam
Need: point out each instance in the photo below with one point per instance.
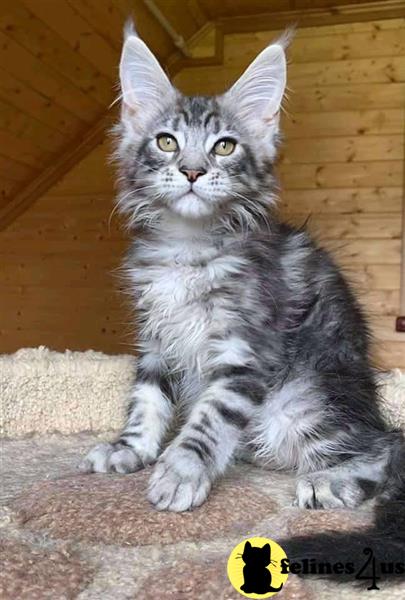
(55, 170)
(311, 17)
(177, 62)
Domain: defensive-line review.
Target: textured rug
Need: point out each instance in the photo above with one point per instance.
(95, 537)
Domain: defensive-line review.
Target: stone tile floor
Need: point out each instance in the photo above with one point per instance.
(68, 535)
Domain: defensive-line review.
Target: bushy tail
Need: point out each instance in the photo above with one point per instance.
(375, 556)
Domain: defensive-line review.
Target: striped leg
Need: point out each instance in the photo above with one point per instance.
(149, 415)
(184, 473)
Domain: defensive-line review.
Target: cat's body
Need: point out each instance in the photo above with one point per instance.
(244, 324)
(273, 308)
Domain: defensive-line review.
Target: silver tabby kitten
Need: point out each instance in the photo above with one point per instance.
(245, 325)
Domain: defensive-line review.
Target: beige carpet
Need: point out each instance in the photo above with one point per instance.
(67, 535)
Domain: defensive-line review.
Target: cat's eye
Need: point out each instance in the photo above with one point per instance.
(225, 147)
(167, 142)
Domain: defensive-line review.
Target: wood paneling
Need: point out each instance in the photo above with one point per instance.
(59, 65)
(59, 269)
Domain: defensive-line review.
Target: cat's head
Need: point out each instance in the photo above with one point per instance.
(259, 557)
(198, 158)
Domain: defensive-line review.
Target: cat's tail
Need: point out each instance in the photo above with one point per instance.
(376, 555)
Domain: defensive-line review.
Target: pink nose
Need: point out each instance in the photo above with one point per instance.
(192, 174)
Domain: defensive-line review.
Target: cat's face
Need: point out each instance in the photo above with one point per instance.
(198, 157)
(256, 555)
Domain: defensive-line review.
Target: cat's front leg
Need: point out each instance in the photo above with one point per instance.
(184, 473)
(149, 415)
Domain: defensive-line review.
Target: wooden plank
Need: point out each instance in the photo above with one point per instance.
(7, 189)
(23, 27)
(383, 329)
(357, 226)
(55, 171)
(346, 123)
(14, 58)
(364, 70)
(341, 200)
(315, 17)
(106, 18)
(96, 205)
(54, 228)
(362, 252)
(75, 248)
(374, 276)
(42, 317)
(50, 270)
(22, 125)
(37, 105)
(21, 297)
(14, 170)
(343, 149)
(22, 150)
(358, 96)
(90, 177)
(181, 20)
(78, 33)
(380, 302)
(216, 10)
(389, 355)
(355, 174)
(240, 48)
(367, 26)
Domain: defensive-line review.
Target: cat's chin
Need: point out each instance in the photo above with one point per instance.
(191, 206)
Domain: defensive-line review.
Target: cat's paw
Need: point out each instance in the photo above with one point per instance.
(111, 458)
(328, 490)
(179, 482)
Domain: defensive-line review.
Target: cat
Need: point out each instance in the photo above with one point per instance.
(246, 327)
(257, 577)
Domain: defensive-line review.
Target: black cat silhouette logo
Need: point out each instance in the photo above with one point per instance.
(254, 568)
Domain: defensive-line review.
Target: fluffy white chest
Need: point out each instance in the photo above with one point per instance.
(185, 307)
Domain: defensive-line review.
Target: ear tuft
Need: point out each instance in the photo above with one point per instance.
(129, 28)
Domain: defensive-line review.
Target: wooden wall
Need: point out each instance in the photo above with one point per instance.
(58, 266)
(342, 163)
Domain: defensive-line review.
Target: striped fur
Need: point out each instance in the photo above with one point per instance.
(246, 327)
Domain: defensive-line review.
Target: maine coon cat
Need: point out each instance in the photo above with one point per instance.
(244, 324)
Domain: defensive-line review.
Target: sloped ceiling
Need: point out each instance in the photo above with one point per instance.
(58, 70)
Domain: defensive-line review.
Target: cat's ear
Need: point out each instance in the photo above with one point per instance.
(266, 549)
(143, 82)
(258, 93)
(248, 546)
